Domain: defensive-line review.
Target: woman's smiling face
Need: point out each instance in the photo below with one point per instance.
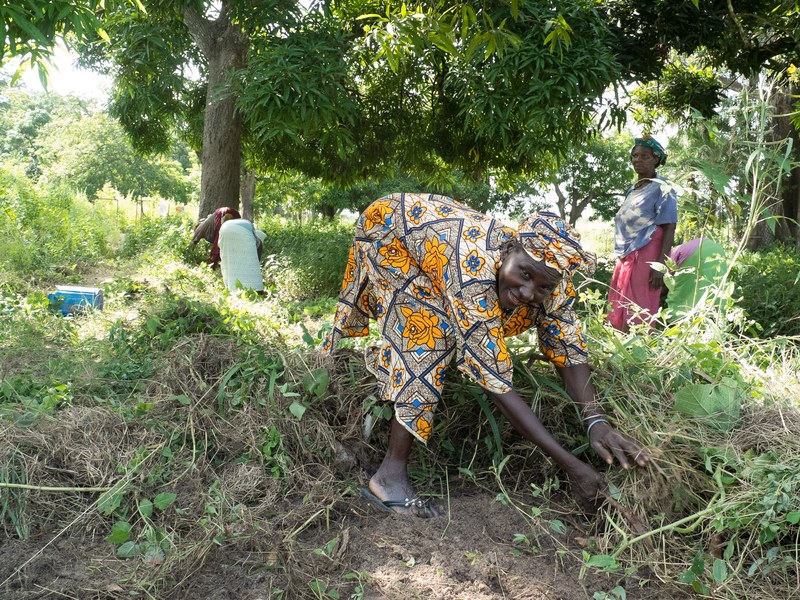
(522, 280)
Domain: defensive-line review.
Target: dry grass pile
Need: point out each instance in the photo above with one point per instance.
(720, 505)
(217, 428)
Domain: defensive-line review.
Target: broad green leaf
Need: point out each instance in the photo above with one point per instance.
(716, 405)
(558, 526)
(183, 399)
(603, 561)
(152, 325)
(145, 508)
(698, 564)
(297, 409)
(700, 271)
(120, 533)
(110, 501)
(619, 592)
(720, 570)
(316, 382)
(128, 550)
(26, 419)
(164, 500)
(687, 576)
(728, 551)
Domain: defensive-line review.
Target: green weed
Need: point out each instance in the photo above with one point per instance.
(13, 509)
(768, 286)
(304, 261)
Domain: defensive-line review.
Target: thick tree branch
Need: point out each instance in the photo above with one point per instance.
(200, 29)
(747, 42)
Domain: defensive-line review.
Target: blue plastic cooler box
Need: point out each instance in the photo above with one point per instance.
(75, 299)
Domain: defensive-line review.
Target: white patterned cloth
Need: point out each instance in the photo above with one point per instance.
(239, 255)
(641, 212)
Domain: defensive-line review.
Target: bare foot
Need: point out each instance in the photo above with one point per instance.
(394, 490)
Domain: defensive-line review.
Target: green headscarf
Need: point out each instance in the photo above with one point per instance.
(650, 142)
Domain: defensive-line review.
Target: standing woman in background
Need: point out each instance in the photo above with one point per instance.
(644, 232)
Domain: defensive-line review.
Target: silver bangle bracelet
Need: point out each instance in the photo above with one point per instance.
(591, 417)
(595, 422)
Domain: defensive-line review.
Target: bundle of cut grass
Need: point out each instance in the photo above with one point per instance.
(721, 501)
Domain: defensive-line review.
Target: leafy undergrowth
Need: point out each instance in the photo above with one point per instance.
(189, 441)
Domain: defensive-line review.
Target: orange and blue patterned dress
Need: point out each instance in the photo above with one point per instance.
(425, 268)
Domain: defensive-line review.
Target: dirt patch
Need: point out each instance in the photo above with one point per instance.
(467, 554)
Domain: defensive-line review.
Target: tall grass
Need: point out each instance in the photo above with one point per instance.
(305, 260)
(42, 231)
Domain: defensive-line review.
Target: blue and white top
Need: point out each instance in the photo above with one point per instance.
(641, 212)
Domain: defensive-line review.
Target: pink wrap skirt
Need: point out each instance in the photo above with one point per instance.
(630, 296)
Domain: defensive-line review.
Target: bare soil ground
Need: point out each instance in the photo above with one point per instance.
(467, 554)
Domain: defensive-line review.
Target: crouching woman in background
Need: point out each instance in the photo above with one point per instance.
(236, 246)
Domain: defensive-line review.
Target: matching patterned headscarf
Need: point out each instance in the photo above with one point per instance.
(547, 237)
(650, 142)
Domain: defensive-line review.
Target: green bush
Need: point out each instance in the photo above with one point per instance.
(768, 287)
(305, 260)
(42, 230)
(165, 236)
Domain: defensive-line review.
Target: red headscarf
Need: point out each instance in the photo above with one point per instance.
(208, 229)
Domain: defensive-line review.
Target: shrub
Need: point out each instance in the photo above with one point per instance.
(168, 236)
(305, 260)
(42, 230)
(768, 285)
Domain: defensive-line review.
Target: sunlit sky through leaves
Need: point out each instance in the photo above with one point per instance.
(65, 78)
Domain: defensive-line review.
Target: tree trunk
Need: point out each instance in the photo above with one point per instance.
(791, 199)
(561, 201)
(248, 192)
(791, 193)
(576, 206)
(328, 211)
(224, 48)
(786, 206)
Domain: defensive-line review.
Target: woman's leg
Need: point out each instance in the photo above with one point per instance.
(390, 481)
